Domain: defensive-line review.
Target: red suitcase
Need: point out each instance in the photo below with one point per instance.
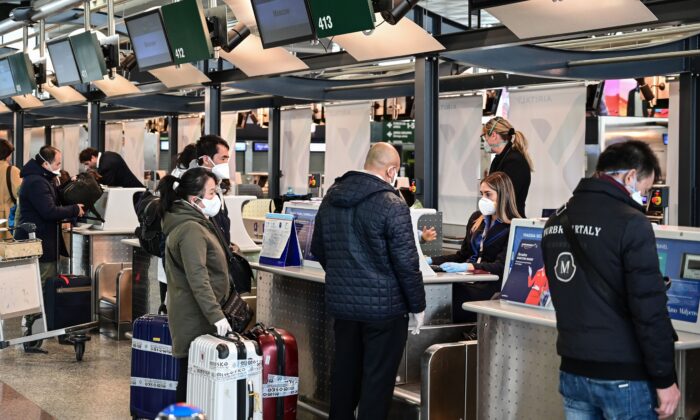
(280, 372)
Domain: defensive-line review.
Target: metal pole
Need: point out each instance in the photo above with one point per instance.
(426, 103)
(47, 135)
(689, 153)
(42, 38)
(18, 138)
(173, 134)
(212, 110)
(86, 10)
(111, 25)
(273, 154)
(25, 38)
(94, 129)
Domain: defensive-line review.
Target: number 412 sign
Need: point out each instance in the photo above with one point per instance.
(337, 17)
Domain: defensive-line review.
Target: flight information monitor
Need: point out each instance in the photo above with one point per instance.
(283, 22)
(64, 64)
(149, 41)
(7, 85)
(88, 56)
(22, 73)
(525, 281)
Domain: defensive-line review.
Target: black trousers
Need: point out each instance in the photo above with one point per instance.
(367, 357)
(181, 391)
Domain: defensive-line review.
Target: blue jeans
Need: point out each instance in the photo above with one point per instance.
(589, 399)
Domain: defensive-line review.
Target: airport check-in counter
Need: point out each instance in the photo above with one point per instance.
(518, 365)
(293, 298)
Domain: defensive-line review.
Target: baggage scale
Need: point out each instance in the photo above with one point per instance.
(21, 294)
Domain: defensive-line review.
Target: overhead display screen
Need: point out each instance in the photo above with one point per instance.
(341, 17)
(22, 73)
(7, 85)
(88, 56)
(64, 64)
(283, 22)
(187, 32)
(148, 39)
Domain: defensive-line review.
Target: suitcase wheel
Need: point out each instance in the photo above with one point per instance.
(79, 350)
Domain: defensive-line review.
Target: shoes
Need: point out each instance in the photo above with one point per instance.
(162, 310)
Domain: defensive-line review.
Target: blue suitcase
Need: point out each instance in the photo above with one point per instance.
(154, 371)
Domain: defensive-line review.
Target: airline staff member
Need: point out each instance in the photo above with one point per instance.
(510, 147)
(485, 245)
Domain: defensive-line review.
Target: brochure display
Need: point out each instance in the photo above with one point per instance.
(415, 215)
(280, 242)
(525, 279)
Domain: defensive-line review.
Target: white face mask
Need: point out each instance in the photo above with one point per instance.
(211, 206)
(57, 172)
(635, 194)
(222, 171)
(487, 207)
(394, 178)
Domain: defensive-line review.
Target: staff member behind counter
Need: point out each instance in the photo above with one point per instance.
(510, 147)
(111, 167)
(485, 245)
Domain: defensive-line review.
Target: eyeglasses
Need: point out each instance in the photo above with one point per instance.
(492, 129)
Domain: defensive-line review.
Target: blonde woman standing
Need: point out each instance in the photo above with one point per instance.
(512, 157)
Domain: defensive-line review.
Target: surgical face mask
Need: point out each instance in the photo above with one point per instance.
(632, 189)
(56, 172)
(395, 177)
(222, 171)
(487, 207)
(211, 206)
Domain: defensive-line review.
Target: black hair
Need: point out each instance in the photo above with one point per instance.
(191, 183)
(628, 155)
(87, 154)
(206, 145)
(6, 149)
(188, 154)
(46, 154)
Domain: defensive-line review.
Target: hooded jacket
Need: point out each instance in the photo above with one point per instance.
(197, 272)
(596, 340)
(364, 239)
(39, 200)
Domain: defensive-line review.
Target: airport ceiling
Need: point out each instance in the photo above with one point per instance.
(473, 60)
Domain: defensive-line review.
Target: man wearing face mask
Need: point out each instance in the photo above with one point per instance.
(213, 152)
(363, 238)
(40, 206)
(616, 340)
(113, 170)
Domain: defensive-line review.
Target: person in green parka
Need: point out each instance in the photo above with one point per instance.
(195, 263)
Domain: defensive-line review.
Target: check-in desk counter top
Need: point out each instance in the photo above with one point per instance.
(517, 351)
(293, 298)
(92, 247)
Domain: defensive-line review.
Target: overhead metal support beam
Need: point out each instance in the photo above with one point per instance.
(48, 135)
(173, 135)
(212, 109)
(427, 91)
(50, 8)
(634, 58)
(273, 153)
(18, 138)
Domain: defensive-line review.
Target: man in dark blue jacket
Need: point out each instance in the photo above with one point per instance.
(615, 335)
(38, 198)
(364, 239)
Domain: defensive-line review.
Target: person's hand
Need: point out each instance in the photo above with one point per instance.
(235, 248)
(81, 210)
(428, 234)
(419, 320)
(429, 260)
(450, 267)
(668, 401)
(223, 327)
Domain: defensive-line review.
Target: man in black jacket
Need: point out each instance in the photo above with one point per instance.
(615, 335)
(364, 239)
(113, 170)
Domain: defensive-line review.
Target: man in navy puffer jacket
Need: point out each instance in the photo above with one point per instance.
(364, 239)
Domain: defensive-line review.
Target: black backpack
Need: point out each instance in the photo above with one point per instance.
(149, 232)
(84, 189)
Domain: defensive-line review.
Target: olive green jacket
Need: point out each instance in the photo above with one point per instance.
(197, 272)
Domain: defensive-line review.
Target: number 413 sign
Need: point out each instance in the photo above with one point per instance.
(337, 17)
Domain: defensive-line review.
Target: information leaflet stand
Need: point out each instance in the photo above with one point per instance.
(280, 242)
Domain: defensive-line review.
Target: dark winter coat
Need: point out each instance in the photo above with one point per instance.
(595, 339)
(514, 164)
(39, 200)
(115, 172)
(364, 239)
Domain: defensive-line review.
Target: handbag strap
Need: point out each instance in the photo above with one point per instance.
(596, 280)
(8, 179)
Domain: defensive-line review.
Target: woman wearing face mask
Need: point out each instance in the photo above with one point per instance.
(485, 245)
(40, 206)
(510, 147)
(195, 262)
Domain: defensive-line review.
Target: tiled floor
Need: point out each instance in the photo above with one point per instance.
(96, 388)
